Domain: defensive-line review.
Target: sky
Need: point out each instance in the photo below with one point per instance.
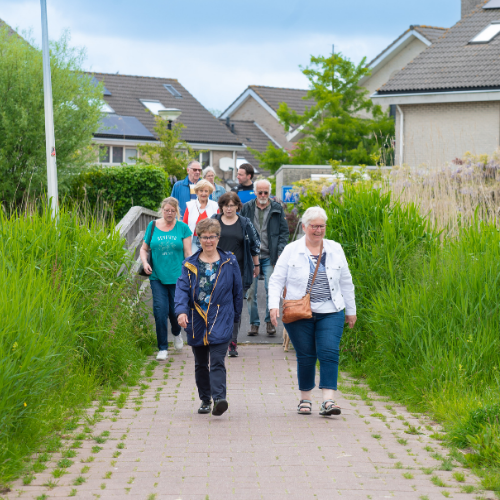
(216, 49)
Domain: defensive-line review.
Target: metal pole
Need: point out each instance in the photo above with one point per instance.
(50, 143)
(333, 66)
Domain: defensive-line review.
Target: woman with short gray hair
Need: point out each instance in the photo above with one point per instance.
(316, 266)
(209, 175)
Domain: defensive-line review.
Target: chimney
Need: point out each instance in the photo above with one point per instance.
(469, 5)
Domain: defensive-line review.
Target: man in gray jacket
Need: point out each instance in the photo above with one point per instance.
(268, 218)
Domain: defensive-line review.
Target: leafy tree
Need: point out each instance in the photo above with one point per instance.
(77, 112)
(170, 153)
(272, 158)
(332, 129)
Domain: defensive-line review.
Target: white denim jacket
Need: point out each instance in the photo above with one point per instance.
(292, 270)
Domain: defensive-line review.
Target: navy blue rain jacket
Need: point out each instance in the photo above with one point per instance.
(226, 302)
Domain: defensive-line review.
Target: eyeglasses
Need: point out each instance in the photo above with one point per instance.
(169, 211)
(315, 227)
(263, 192)
(208, 238)
(230, 206)
(196, 169)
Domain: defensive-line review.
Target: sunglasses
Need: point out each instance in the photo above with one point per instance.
(196, 169)
(263, 192)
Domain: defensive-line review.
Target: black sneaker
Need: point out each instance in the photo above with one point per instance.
(220, 406)
(205, 407)
(233, 353)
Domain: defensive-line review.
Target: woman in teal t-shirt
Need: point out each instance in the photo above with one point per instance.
(170, 244)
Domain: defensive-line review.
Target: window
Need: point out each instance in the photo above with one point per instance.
(153, 106)
(488, 33)
(103, 154)
(492, 4)
(130, 155)
(117, 154)
(204, 159)
(392, 111)
(173, 91)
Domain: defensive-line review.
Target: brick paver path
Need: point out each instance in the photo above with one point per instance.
(160, 448)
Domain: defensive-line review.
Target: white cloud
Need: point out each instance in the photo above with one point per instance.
(214, 71)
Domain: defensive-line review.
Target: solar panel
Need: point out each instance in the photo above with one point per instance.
(492, 4)
(172, 90)
(123, 126)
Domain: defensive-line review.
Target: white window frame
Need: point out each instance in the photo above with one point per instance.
(144, 101)
(496, 31)
(110, 162)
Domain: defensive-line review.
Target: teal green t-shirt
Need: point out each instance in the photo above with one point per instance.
(168, 252)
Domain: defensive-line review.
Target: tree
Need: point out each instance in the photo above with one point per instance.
(77, 105)
(331, 129)
(170, 153)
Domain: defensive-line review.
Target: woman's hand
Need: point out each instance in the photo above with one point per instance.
(351, 320)
(147, 268)
(275, 314)
(182, 319)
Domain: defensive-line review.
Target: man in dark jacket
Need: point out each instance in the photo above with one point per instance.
(268, 218)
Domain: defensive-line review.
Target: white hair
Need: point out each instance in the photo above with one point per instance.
(313, 213)
(269, 187)
(208, 169)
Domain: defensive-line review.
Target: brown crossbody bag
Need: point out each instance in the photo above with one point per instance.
(293, 310)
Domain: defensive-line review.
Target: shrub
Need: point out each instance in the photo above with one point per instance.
(68, 325)
(123, 187)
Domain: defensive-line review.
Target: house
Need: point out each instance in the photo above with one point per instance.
(448, 97)
(258, 104)
(132, 104)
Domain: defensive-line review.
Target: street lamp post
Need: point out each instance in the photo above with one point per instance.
(169, 114)
(50, 144)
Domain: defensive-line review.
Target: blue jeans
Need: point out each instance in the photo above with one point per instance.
(314, 339)
(253, 309)
(163, 309)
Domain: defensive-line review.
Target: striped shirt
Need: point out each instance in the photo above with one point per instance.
(320, 291)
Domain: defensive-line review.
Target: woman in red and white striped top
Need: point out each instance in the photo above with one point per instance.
(199, 209)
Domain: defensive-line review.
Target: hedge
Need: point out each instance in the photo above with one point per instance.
(122, 187)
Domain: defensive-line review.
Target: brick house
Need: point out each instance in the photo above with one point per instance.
(133, 102)
(448, 97)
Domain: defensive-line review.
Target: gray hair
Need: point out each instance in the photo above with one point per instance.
(193, 161)
(258, 181)
(313, 213)
(208, 169)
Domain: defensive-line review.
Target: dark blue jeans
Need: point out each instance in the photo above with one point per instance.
(163, 309)
(210, 370)
(315, 339)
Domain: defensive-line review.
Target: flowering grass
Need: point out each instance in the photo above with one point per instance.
(428, 297)
(68, 325)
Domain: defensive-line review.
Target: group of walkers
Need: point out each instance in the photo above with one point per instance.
(204, 265)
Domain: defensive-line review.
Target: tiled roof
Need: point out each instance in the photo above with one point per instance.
(452, 62)
(126, 92)
(249, 134)
(430, 32)
(273, 96)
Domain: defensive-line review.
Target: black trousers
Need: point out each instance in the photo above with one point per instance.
(210, 370)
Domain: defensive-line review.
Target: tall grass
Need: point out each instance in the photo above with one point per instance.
(67, 325)
(428, 297)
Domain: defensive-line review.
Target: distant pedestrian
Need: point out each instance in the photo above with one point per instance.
(208, 301)
(199, 209)
(209, 175)
(268, 218)
(239, 237)
(170, 243)
(183, 190)
(245, 188)
(316, 266)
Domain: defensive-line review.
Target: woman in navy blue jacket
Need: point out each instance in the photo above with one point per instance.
(208, 301)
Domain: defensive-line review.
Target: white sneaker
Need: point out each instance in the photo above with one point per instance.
(162, 355)
(178, 342)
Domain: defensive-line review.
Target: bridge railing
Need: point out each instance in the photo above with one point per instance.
(133, 227)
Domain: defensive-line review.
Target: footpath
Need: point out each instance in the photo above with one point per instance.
(156, 446)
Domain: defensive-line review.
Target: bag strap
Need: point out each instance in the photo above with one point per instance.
(315, 271)
(151, 235)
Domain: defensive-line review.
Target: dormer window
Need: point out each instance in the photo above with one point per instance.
(153, 106)
(488, 33)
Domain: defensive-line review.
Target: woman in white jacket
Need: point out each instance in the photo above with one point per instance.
(199, 209)
(317, 338)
